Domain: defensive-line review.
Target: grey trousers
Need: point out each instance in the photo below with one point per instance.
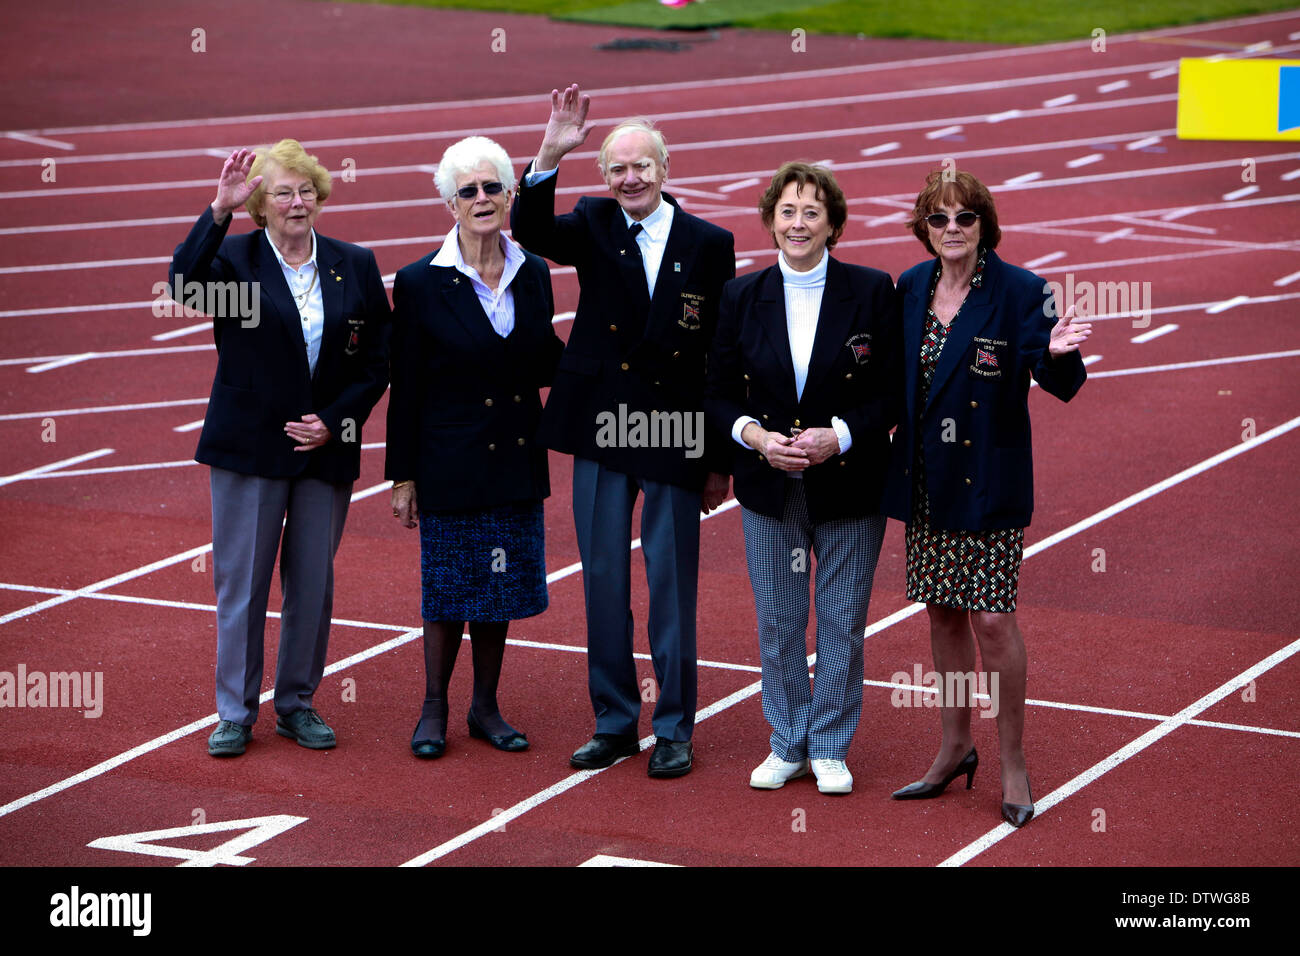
(248, 513)
(817, 723)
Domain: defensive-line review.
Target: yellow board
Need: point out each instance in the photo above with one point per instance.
(1238, 99)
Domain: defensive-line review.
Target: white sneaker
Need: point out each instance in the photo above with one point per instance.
(773, 772)
(832, 776)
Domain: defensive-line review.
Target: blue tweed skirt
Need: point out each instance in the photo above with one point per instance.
(483, 565)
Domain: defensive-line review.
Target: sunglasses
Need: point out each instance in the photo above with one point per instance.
(939, 220)
(471, 192)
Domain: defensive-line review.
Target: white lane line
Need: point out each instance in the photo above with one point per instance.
(1142, 143)
(65, 309)
(944, 131)
(1293, 36)
(1131, 749)
(1293, 174)
(1162, 73)
(1085, 160)
(743, 184)
(54, 466)
(873, 221)
(147, 569)
(1004, 115)
(1044, 260)
(1260, 47)
(604, 859)
(39, 141)
(1286, 280)
(60, 362)
(742, 263)
(18, 416)
(1117, 234)
(1023, 178)
(1112, 87)
(1158, 224)
(1178, 213)
(1155, 333)
(190, 426)
(1241, 193)
(92, 264)
(121, 353)
(1060, 101)
(1199, 363)
(178, 333)
(877, 150)
(1092, 359)
(1228, 304)
(571, 781)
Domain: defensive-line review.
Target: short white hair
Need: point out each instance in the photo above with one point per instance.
(639, 125)
(466, 156)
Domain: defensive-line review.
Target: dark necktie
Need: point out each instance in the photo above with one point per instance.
(635, 230)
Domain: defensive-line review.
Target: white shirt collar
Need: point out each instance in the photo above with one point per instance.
(449, 256)
(657, 224)
(813, 277)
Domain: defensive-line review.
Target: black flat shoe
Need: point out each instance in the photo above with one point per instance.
(428, 748)
(671, 758)
(512, 742)
(1018, 814)
(928, 791)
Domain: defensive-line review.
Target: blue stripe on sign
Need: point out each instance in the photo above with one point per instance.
(1288, 98)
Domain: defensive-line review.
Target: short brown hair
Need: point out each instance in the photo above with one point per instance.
(289, 155)
(955, 189)
(828, 191)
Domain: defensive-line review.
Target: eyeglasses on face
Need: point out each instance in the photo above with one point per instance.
(285, 196)
(471, 191)
(939, 220)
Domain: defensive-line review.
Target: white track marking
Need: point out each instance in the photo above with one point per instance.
(187, 330)
(17, 416)
(573, 780)
(190, 426)
(1155, 333)
(1044, 260)
(743, 184)
(1141, 143)
(39, 141)
(1229, 304)
(603, 859)
(1112, 87)
(1200, 363)
(121, 353)
(1085, 160)
(1060, 101)
(1286, 280)
(1241, 193)
(60, 362)
(1293, 174)
(54, 466)
(877, 150)
(1117, 234)
(945, 131)
(1158, 224)
(1023, 178)
(1005, 115)
(1102, 767)
(1163, 72)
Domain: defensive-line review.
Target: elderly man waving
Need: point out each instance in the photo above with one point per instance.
(627, 404)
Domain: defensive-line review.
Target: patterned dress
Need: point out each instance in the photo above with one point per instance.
(975, 570)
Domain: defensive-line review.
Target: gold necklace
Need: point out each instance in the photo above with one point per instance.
(301, 300)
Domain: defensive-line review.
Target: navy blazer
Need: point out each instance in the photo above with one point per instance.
(464, 407)
(975, 424)
(262, 379)
(625, 348)
(854, 360)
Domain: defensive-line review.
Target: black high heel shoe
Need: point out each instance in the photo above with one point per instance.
(512, 742)
(1018, 814)
(429, 748)
(928, 791)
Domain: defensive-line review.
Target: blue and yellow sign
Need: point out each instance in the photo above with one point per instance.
(1239, 99)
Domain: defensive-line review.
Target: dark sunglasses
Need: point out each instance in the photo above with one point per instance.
(939, 220)
(470, 192)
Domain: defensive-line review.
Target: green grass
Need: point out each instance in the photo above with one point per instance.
(972, 21)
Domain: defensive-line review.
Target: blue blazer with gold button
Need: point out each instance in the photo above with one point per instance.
(850, 376)
(974, 427)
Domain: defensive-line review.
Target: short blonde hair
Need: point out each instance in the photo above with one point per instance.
(289, 155)
(638, 125)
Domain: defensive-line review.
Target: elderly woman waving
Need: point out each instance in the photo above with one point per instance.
(299, 369)
(472, 345)
(799, 377)
(975, 329)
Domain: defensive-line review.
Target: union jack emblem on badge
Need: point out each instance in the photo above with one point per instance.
(861, 350)
(986, 359)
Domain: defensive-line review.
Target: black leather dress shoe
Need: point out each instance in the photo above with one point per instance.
(306, 727)
(512, 742)
(229, 739)
(672, 758)
(603, 749)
